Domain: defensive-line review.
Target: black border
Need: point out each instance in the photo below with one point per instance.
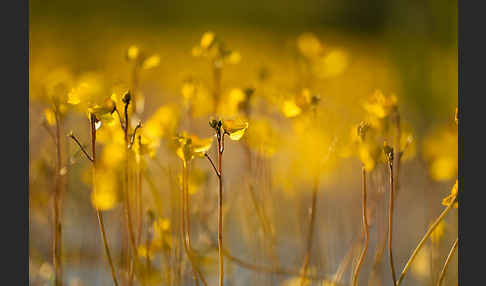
(472, 202)
(14, 209)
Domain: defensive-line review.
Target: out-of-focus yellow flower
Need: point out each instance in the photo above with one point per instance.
(290, 109)
(161, 123)
(332, 64)
(113, 154)
(368, 156)
(161, 225)
(197, 178)
(234, 58)
(438, 232)
(309, 46)
(57, 84)
(151, 62)
(450, 198)
(262, 137)
(207, 39)
(141, 59)
(235, 128)
(132, 52)
(440, 150)
(300, 103)
(231, 105)
(421, 265)
(380, 105)
(50, 116)
(104, 197)
(144, 252)
(191, 146)
(213, 48)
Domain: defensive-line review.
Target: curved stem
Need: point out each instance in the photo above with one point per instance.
(424, 239)
(448, 260)
(365, 228)
(390, 224)
(311, 230)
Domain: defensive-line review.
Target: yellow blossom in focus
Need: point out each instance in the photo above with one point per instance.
(450, 198)
(235, 128)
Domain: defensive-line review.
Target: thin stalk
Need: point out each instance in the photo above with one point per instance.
(311, 230)
(390, 223)
(220, 208)
(448, 260)
(98, 212)
(424, 239)
(139, 202)
(57, 241)
(365, 228)
(185, 221)
(126, 197)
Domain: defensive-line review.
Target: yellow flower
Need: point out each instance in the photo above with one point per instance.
(301, 102)
(332, 64)
(421, 265)
(450, 198)
(290, 109)
(440, 150)
(380, 105)
(438, 232)
(235, 128)
(151, 62)
(191, 146)
(263, 137)
(104, 197)
(214, 49)
(207, 39)
(132, 52)
(50, 116)
(309, 45)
